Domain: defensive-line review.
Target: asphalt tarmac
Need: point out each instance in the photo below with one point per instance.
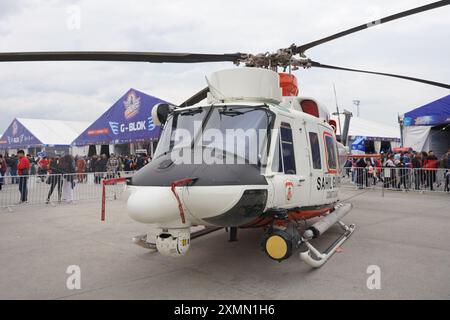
(402, 238)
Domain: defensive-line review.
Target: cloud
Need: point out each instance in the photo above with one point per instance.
(415, 46)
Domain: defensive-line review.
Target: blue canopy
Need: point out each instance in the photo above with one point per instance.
(128, 120)
(18, 136)
(432, 114)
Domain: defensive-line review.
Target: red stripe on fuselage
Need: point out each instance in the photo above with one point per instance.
(292, 216)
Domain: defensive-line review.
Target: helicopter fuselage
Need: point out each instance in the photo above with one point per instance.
(250, 157)
(299, 173)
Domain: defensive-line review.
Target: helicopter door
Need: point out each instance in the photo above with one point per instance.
(289, 184)
(315, 155)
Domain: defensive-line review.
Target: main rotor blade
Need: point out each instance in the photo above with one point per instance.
(196, 98)
(433, 83)
(434, 5)
(155, 57)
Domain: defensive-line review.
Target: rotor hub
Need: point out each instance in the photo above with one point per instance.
(282, 58)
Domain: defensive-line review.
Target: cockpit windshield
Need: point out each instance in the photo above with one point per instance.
(235, 133)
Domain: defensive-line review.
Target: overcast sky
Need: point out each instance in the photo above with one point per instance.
(417, 46)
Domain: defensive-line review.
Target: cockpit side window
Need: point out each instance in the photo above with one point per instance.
(287, 148)
(315, 150)
(277, 163)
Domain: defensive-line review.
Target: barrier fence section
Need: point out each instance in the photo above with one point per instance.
(59, 188)
(394, 178)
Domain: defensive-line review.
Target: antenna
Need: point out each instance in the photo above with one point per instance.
(337, 111)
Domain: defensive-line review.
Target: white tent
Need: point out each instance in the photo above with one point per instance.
(417, 137)
(54, 132)
(41, 134)
(371, 130)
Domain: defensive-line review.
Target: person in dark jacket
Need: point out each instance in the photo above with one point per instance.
(91, 163)
(360, 172)
(12, 164)
(402, 174)
(127, 164)
(100, 165)
(54, 179)
(141, 161)
(3, 167)
(348, 167)
(417, 168)
(446, 164)
(100, 168)
(67, 165)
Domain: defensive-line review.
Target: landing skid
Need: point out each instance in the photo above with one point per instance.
(320, 258)
(141, 240)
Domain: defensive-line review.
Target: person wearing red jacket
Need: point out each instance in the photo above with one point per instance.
(431, 164)
(23, 169)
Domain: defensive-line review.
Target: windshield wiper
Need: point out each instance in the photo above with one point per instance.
(231, 113)
(191, 112)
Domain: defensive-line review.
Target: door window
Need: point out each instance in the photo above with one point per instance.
(315, 150)
(287, 148)
(277, 164)
(330, 146)
(284, 157)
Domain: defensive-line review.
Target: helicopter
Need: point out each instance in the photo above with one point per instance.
(255, 155)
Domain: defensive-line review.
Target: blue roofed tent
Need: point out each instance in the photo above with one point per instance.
(18, 136)
(428, 127)
(34, 135)
(127, 120)
(431, 114)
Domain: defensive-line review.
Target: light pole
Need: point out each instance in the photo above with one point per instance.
(400, 123)
(356, 103)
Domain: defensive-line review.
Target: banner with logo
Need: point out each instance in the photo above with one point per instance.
(432, 114)
(17, 136)
(128, 120)
(358, 146)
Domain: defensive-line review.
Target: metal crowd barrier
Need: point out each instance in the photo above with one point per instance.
(59, 188)
(394, 178)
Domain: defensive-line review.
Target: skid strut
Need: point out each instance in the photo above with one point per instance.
(232, 234)
(321, 258)
(319, 228)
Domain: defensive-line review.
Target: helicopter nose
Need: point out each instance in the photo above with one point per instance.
(226, 205)
(152, 205)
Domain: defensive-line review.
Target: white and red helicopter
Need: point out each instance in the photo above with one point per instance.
(280, 168)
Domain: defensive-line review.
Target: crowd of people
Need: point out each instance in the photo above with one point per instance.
(402, 170)
(63, 172)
